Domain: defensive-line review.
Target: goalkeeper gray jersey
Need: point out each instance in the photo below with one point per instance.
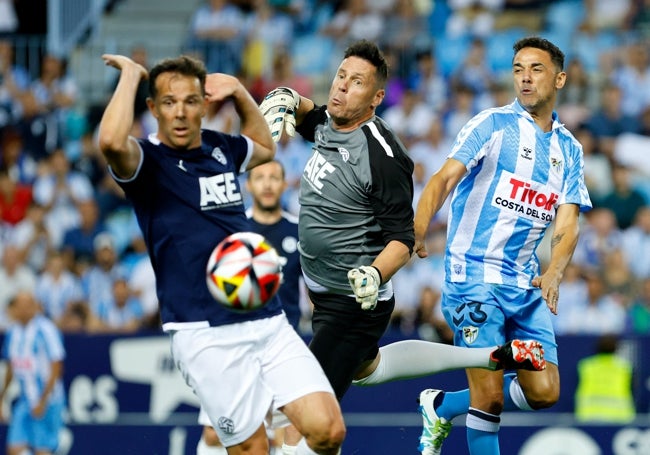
(356, 195)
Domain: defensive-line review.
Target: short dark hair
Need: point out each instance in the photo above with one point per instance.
(369, 51)
(557, 56)
(185, 65)
(272, 161)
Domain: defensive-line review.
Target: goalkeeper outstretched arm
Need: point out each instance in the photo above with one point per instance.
(283, 109)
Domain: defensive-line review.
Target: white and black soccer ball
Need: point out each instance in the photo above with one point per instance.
(244, 271)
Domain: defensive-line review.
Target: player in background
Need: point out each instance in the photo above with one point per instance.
(513, 171)
(182, 182)
(34, 352)
(356, 231)
(266, 183)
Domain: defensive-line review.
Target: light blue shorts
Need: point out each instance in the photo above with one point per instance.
(483, 315)
(38, 433)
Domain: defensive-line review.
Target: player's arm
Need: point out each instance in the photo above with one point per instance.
(563, 244)
(56, 371)
(121, 151)
(218, 87)
(433, 196)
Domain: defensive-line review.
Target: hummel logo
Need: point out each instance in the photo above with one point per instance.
(526, 153)
(180, 166)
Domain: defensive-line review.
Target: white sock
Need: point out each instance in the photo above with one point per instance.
(288, 450)
(203, 449)
(517, 395)
(417, 358)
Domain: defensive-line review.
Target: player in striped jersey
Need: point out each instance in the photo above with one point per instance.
(356, 230)
(34, 350)
(514, 170)
(182, 182)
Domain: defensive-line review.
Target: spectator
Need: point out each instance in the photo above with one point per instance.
(78, 241)
(15, 198)
(14, 80)
(122, 312)
(633, 79)
(15, 276)
(218, 35)
(14, 157)
(608, 121)
(624, 200)
(142, 282)
(603, 15)
(461, 110)
(428, 81)
(431, 149)
(576, 99)
(268, 30)
(354, 21)
(57, 287)
(474, 74)
(598, 169)
(599, 236)
(410, 118)
(573, 292)
(636, 244)
(31, 237)
(293, 153)
(638, 315)
(282, 75)
(601, 314)
(97, 281)
(405, 31)
(59, 189)
(472, 17)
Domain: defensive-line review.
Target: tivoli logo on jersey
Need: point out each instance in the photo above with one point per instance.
(317, 169)
(219, 190)
(524, 198)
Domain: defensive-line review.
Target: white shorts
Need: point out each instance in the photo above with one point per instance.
(244, 372)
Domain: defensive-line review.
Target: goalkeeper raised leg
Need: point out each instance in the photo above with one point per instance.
(356, 231)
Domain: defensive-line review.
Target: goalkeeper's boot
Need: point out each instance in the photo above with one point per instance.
(519, 354)
(435, 429)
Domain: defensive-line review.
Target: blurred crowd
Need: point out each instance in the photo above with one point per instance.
(68, 234)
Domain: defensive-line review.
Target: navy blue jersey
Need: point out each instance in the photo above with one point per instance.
(283, 235)
(186, 202)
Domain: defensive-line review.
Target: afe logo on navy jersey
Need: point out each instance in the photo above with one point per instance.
(218, 155)
(219, 190)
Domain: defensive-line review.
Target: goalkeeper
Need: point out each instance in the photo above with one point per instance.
(356, 231)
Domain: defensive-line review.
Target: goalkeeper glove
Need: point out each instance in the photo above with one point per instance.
(365, 282)
(279, 110)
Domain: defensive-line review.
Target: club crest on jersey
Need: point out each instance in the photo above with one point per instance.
(227, 425)
(218, 155)
(470, 334)
(556, 164)
(527, 153)
(345, 155)
(458, 269)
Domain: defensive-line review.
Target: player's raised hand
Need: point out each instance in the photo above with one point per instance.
(220, 86)
(279, 110)
(124, 63)
(365, 282)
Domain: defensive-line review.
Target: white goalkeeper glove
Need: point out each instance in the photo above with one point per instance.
(279, 110)
(365, 282)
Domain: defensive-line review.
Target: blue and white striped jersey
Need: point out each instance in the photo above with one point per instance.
(517, 176)
(31, 349)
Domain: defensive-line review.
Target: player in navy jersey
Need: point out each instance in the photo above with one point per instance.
(514, 170)
(182, 182)
(34, 352)
(356, 231)
(265, 184)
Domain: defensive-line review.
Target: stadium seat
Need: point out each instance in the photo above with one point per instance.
(312, 54)
(450, 52)
(498, 48)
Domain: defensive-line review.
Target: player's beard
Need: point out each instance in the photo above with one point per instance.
(269, 208)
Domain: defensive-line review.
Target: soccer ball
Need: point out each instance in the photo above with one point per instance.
(244, 271)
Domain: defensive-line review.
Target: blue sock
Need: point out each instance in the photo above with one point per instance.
(482, 432)
(453, 404)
